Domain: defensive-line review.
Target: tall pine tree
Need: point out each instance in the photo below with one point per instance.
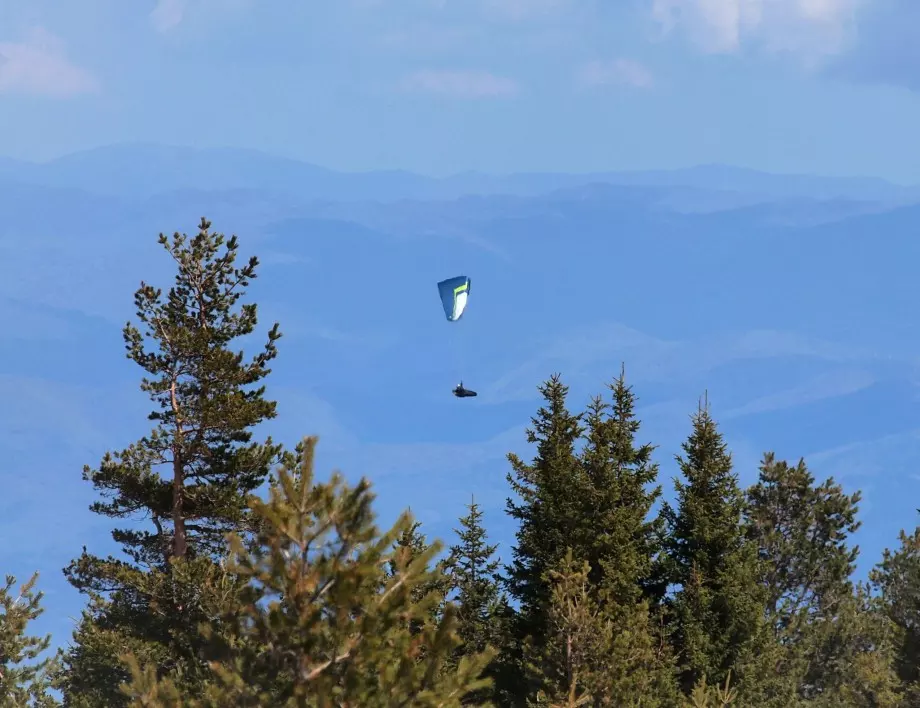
(621, 545)
(190, 477)
(624, 540)
(718, 608)
(551, 492)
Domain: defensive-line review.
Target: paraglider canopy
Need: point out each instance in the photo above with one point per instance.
(455, 293)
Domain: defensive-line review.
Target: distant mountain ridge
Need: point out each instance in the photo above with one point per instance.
(144, 169)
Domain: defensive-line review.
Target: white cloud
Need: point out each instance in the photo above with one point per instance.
(813, 28)
(38, 65)
(894, 456)
(616, 72)
(459, 84)
(829, 385)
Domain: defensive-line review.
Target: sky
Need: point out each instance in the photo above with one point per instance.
(441, 86)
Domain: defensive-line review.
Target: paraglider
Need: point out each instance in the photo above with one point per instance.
(461, 392)
(455, 293)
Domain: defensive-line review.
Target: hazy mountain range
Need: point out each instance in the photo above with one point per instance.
(136, 170)
(791, 299)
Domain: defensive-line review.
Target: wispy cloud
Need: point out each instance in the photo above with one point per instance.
(893, 455)
(38, 65)
(616, 72)
(809, 27)
(459, 84)
(650, 358)
(829, 385)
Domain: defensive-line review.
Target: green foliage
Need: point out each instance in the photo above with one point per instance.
(324, 621)
(551, 492)
(191, 476)
(801, 530)
(622, 541)
(474, 577)
(851, 656)
(24, 679)
(718, 610)
(897, 580)
(591, 656)
(705, 696)
(482, 610)
(410, 545)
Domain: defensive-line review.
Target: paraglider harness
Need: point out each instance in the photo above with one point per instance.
(461, 392)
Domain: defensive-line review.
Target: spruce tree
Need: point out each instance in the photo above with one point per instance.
(473, 572)
(476, 591)
(325, 623)
(190, 477)
(623, 539)
(621, 545)
(577, 643)
(25, 680)
(591, 656)
(717, 611)
(549, 513)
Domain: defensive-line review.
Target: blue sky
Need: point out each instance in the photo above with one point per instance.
(805, 339)
(448, 85)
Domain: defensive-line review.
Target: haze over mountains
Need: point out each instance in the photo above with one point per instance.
(791, 299)
(142, 169)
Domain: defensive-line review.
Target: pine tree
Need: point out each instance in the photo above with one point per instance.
(897, 582)
(482, 609)
(24, 680)
(410, 545)
(593, 657)
(578, 640)
(325, 622)
(622, 543)
(551, 492)
(801, 530)
(717, 612)
(474, 579)
(852, 656)
(190, 476)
